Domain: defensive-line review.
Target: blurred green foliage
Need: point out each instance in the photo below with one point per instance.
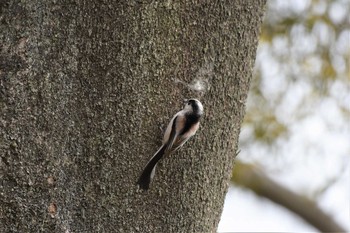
(303, 44)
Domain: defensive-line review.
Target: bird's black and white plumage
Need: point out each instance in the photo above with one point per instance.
(182, 126)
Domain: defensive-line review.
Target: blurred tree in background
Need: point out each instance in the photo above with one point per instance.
(296, 128)
(304, 55)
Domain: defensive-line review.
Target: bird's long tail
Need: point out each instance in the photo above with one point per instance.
(148, 172)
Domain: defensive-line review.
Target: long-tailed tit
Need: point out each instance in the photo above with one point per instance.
(182, 126)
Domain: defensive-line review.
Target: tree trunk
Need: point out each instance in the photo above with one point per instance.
(85, 88)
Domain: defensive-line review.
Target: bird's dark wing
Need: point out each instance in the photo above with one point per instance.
(172, 136)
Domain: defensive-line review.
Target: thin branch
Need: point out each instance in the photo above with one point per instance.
(249, 176)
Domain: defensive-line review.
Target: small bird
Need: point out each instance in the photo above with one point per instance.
(182, 126)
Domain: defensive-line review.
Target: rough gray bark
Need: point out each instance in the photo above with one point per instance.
(85, 86)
